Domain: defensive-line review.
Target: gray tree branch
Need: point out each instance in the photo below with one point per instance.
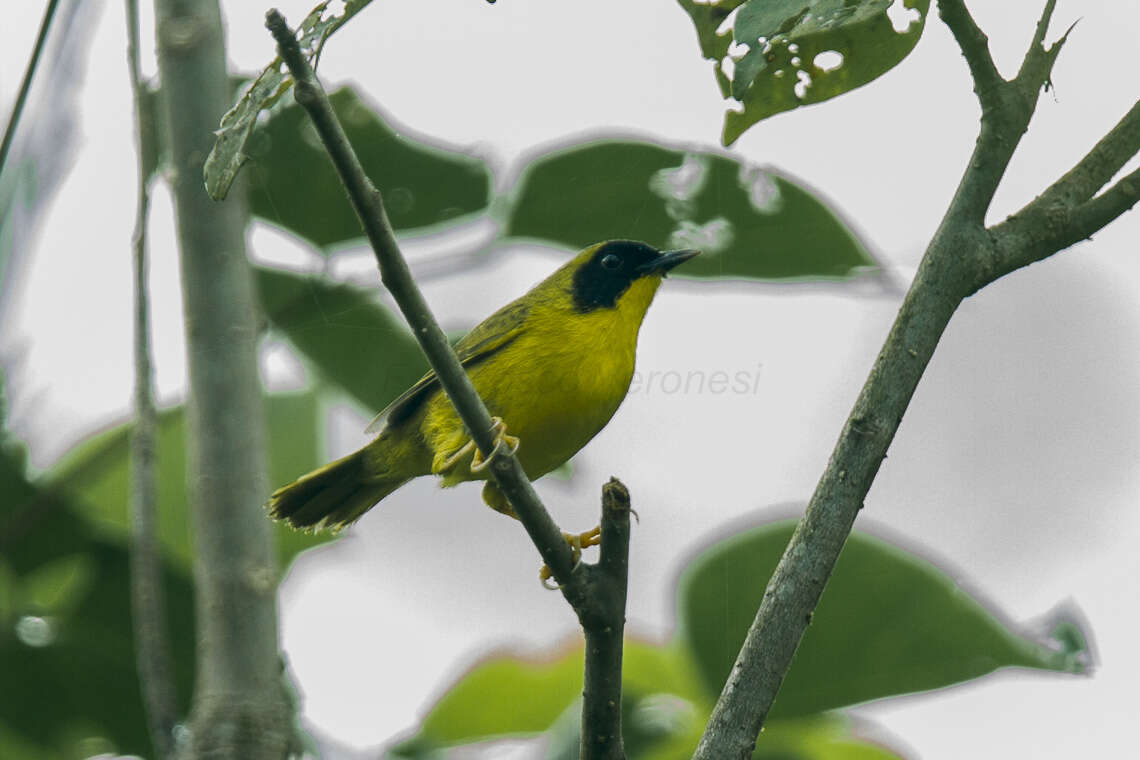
(152, 645)
(597, 593)
(239, 710)
(963, 256)
(601, 611)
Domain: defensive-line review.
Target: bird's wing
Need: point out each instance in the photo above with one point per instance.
(487, 338)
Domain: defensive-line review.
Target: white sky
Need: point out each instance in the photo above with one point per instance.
(1016, 463)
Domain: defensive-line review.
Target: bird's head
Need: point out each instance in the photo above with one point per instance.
(620, 274)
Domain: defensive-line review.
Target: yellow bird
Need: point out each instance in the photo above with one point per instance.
(552, 367)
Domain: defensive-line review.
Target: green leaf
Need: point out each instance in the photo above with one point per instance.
(293, 183)
(511, 695)
(708, 18)
(749, 222)
(71, 652)
(782, 54)
(828, 736)
(95, 474)
(228, 154)
(353, 340)
(889, 623)
(649, 723)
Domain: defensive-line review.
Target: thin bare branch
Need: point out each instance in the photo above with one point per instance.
(26, 82)
(975, 47)
(604, 627)
(1099, 165)
(1094, 214)
(394, 273)
(597, 593)
(152, 644)
(1037, 49)
(1007, 107)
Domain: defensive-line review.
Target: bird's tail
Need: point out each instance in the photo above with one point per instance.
(333, 496)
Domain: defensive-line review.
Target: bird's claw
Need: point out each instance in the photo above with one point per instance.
(499, 428)
(478, 462)
(578, 542)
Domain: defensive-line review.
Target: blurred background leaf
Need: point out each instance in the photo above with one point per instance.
(350, 338)
(829, 736)
(94, 474)
(66, 639)
(293, 185)
(750, 223)
(513, 695)
(889, 623)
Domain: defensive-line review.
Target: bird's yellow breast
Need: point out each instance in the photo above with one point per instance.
(556, 385)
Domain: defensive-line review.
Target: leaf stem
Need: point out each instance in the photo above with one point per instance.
(26, 83)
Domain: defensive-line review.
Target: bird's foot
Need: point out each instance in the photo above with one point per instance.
(457, 457)
(499, 428)
(578, 542)
(478, 462)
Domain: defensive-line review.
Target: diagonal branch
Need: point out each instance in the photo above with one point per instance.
(394, 272)
(962, 257)
(1099, 165)
(26, 82)
(1067, 212)
(1037, 53)
(1041, 229)
(975, 47)
(597, 592)
(1007, 107)
(1093, 215)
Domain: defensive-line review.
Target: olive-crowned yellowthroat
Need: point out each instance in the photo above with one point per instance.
(552, 367)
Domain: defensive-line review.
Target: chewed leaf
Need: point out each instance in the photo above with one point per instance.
(748, 221)
(228, 154)
(771, 56)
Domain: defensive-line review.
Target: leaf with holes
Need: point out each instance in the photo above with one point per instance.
(772, 56)
(750, 222)
(229, 151)
(889, 623)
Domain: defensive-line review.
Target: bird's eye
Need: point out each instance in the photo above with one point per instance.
(611, 262)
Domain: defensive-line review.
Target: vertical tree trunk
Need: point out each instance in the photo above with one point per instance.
(239, 709)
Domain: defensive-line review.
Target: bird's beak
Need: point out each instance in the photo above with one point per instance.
(667, 261)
